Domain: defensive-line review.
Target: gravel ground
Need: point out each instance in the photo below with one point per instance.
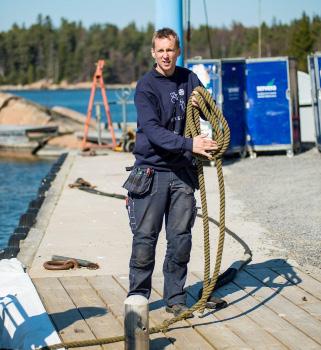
(284, 195)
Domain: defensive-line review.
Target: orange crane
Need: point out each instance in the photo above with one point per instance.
(98, 78)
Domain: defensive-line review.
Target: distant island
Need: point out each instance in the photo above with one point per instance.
(45, 84)
(68, 53)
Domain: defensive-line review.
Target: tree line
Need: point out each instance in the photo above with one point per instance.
(70, 51)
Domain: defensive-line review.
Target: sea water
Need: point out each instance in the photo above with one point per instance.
(78, 101)
(19, 182)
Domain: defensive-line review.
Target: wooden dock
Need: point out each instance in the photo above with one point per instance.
(273, 303)
(277, 307)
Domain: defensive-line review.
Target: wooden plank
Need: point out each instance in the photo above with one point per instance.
(64, 314)
(311, 274)
(303, 281)
(288, 290)
(200, 332)
(114, 296)
(111, 293)
(243, 326)
(282, 306)
(267, 308)
(101, 322)
(261, 315)
(313, 309)
(269, 264)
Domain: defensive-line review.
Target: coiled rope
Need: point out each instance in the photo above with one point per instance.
(221, 131)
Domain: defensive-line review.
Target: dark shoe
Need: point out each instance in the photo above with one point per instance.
(177, 310)
(215, 303)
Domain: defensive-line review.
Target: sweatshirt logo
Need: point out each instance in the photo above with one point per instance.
(178, 97)
(174, 97)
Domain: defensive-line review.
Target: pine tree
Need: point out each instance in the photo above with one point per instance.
(301, 41)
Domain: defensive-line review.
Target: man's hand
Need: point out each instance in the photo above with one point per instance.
(194, 99)
(202, 145)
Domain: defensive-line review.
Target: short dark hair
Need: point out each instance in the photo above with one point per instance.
(165, 33)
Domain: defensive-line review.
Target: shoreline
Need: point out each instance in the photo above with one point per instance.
(48, 85)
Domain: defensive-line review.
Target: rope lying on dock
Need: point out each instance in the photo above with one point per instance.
(222, 135)
(86, 186)
(59, 262)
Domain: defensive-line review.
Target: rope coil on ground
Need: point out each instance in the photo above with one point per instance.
(221, 131)
(61, 265)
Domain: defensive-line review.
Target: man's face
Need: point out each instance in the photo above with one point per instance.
(165, 54)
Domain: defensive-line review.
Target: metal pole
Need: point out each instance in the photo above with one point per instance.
(259, 29)
(98, 117)
(188, 29)
(169, 13)
(124, 111)
(136, 323)
(208, 30)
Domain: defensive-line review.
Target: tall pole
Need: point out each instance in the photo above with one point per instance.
(188, 29)
(208, 30)
(259, 53)
(169, 13)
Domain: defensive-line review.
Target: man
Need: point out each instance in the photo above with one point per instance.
(163, 180)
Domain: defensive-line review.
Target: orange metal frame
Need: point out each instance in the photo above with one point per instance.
(98, 78)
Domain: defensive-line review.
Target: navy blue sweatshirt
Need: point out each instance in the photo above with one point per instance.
(161, 115)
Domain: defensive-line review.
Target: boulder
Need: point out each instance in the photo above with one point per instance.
(17, 111)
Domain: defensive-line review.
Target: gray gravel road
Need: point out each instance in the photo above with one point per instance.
(283, 195)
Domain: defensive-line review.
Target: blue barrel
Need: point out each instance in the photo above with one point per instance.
(272, 105)
(314, 63)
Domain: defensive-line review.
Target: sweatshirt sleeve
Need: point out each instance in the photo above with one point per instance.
(149, 123)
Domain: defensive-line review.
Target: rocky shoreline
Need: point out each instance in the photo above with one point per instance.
(17, 112)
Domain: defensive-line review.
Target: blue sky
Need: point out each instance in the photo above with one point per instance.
(121, 12)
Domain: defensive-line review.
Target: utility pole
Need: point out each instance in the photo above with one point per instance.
(259, 30)
(188, 29)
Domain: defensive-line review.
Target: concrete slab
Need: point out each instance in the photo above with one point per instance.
(95, 228)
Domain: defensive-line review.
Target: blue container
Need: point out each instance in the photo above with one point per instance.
(273, 122)
(233, 91)
(314, 63)
(225, 80)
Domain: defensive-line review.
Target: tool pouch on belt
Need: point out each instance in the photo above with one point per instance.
(139, 181)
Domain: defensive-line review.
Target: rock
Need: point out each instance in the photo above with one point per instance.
(4, 98)
(18, 111)
(66, 141)
(15, 110)
(74, 115)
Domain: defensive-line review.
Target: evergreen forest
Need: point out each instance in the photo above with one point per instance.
(69, 52)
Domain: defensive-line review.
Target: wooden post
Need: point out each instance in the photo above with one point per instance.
(136, 323)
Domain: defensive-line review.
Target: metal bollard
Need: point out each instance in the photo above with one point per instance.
(136, 323)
